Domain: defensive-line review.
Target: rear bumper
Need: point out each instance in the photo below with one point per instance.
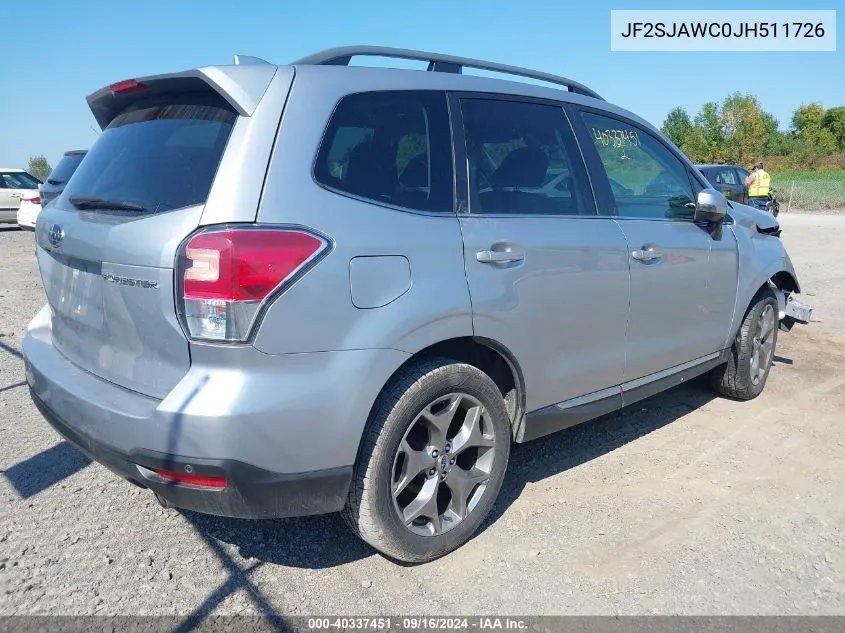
(250, 492)
(282, 430)
(27, 215)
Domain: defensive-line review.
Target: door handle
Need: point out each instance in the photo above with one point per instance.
(499, 257)
(646, 255)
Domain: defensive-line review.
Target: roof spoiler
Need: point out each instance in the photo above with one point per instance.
(242, 85)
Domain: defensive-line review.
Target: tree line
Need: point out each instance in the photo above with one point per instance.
(739, 131)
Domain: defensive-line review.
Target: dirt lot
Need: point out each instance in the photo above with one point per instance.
(686, 504)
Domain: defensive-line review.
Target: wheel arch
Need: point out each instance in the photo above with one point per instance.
(491, 357)
(786, 280)
(782, 280)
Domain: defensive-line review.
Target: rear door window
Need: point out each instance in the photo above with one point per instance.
(159, 156)
(18, 180)
(520, 157)
(390, 147)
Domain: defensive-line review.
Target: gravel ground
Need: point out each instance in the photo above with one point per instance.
(686, 504)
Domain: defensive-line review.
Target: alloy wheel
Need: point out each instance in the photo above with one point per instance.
(443, 464)
(762, 345)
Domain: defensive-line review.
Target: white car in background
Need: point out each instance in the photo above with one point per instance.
(28, 211)
(15, 185)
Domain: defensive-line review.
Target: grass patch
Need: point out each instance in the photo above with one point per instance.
(813, 190)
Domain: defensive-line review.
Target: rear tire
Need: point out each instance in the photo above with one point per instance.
(744, 376)
(432, 461)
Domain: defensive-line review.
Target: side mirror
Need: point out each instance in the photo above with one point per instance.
(711, 206)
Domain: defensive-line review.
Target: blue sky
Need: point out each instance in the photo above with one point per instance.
(65, 50)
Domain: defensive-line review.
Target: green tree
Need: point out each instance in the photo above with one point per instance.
(39, 167)
(833, 120)
(778, 143)
(807, 122)
(745, 128)
(709, 145)
(677, 126)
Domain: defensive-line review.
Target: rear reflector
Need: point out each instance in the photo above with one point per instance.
(226, 275)
(129, 85)
(192, 480)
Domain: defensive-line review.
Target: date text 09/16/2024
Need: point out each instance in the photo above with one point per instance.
(417, 624)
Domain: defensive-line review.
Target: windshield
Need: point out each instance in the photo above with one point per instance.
(64, 170)
(156, 157)
(19, 180)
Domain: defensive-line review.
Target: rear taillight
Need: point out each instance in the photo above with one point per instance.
(35, 200)
(226, 275)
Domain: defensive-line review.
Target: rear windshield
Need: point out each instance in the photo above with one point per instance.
(157, 156)
(64, 170)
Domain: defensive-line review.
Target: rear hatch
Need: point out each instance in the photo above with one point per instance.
(106, 246)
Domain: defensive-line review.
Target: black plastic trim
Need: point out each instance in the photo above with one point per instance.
(662, 384)
(553, 419)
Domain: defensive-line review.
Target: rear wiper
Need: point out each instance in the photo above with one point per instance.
(94, 202)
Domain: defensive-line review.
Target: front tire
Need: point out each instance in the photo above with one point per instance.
(744, 376)
(432, 461)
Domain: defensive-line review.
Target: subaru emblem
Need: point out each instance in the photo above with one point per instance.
(56, 235)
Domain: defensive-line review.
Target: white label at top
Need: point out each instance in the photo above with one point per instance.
(722, 30)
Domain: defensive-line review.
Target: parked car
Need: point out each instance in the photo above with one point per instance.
(15, 184)
(728, 179)
(28, 211)
(61, 173)
(349, 309)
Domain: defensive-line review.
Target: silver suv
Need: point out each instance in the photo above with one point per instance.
(288, 290)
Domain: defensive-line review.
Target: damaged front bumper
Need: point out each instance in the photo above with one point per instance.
(794, 311)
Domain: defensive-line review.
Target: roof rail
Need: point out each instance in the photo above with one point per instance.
(438, 63)
(249, 60)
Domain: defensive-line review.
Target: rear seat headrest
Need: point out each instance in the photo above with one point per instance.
(523, 167)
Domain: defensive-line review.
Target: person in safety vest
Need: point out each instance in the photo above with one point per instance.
(758, 182)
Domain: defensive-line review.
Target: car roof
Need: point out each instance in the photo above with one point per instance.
(244, 82)
(709, 165)
(13, 169)
(367, 78)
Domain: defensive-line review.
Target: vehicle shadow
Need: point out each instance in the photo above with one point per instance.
(324, 541)
(535, 461)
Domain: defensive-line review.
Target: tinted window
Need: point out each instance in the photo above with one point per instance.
(743, 174)
(391, 147)
(646, 179)
(18, 180)
(160, 157)
(519, 158)
(64, 170)
(726, 177)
